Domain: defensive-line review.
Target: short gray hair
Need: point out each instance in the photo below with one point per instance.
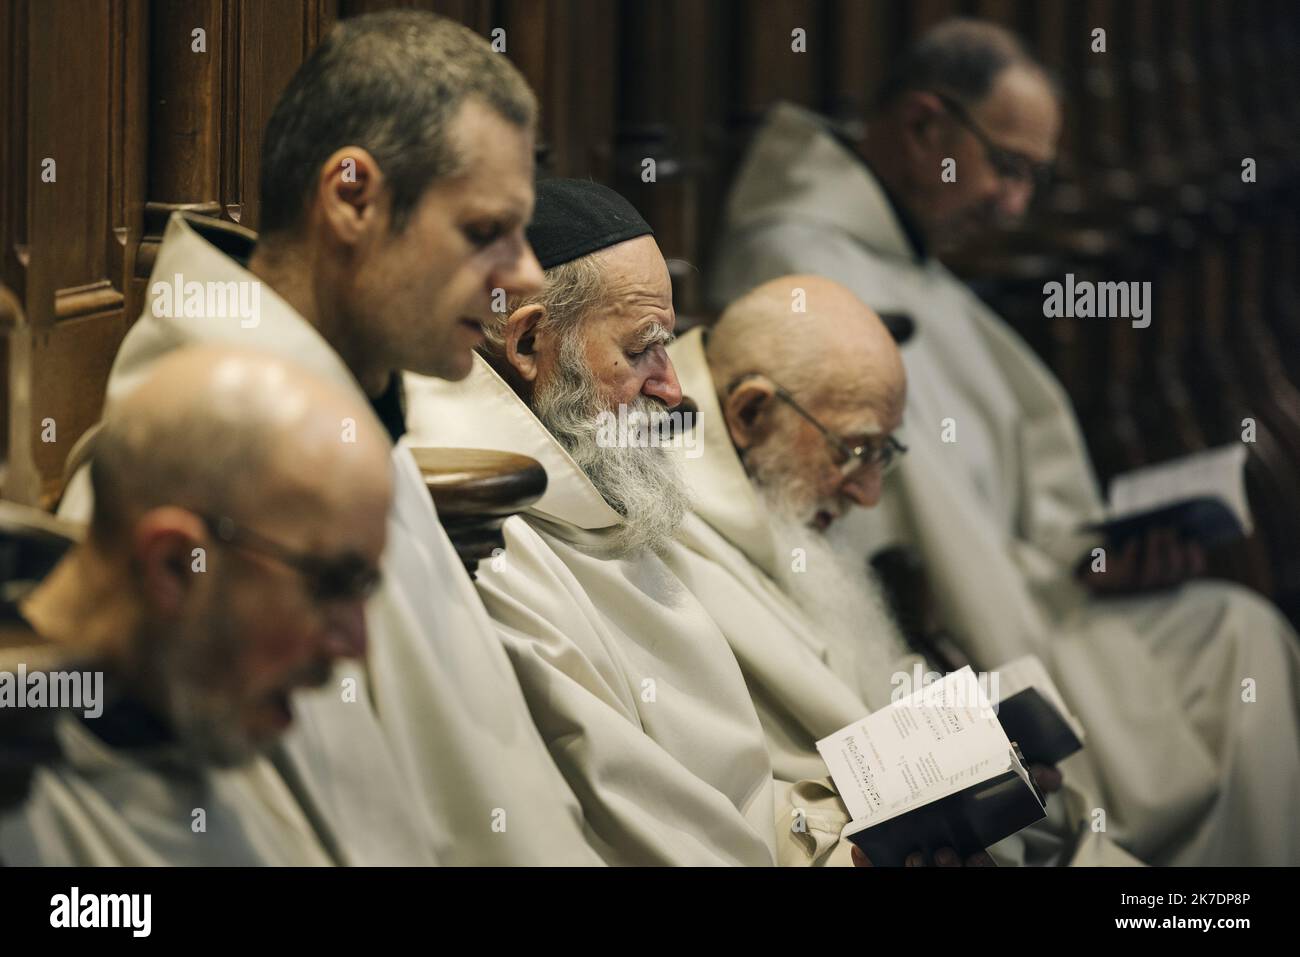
(571, 292)
(391, 83)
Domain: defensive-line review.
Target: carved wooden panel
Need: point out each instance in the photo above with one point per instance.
(670, 68)
(118, 112)
(74, 116)
(774, 61)
(187, 45)
(273, 40)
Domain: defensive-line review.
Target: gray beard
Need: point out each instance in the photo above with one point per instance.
(206, 720)
(643, 484)
(839, 593)
(206, 715)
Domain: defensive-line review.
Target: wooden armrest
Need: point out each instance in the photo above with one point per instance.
(31, 543)
(31, 525)
(37, 528)
(475, 491)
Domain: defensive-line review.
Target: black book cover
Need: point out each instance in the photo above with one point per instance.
(1041, 733)
(1205, 520)
(968, 821)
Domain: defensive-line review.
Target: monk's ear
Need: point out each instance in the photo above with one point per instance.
(520, 340)
(744, 409)
(352, 198)
(169, 551)
(920, 114)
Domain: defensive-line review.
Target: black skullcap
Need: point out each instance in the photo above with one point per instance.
(574, 217)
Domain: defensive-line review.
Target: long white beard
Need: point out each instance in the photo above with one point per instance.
(841, 596)
(643, 484)
(786, 489)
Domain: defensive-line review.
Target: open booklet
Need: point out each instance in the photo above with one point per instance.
(1202, 495)
(932, 770)
(1034, 715)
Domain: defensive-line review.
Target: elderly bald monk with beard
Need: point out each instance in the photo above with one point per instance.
(207, 598)
(632, 683)
(805, 387)
(1189, 692)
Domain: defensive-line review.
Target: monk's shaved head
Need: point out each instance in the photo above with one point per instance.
(834, 357)
(232, 433)
(835, 351)
(240, 517)
(805, 373)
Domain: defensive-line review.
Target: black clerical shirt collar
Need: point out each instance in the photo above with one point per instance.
(911, 230)
(390, 406)
(127, 724)
(124, 723)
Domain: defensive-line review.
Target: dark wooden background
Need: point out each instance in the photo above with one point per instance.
(1150, 184)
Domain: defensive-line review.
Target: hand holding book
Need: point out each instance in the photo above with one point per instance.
(1161, 519)
(1161, 558)
(1047, 777)
(943, 857)
(932, 774)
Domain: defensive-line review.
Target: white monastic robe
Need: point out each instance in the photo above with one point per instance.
(103, 806)
(805, 682)
(630, 680)
(428, 753)
(1185, 770)
(94, 804)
